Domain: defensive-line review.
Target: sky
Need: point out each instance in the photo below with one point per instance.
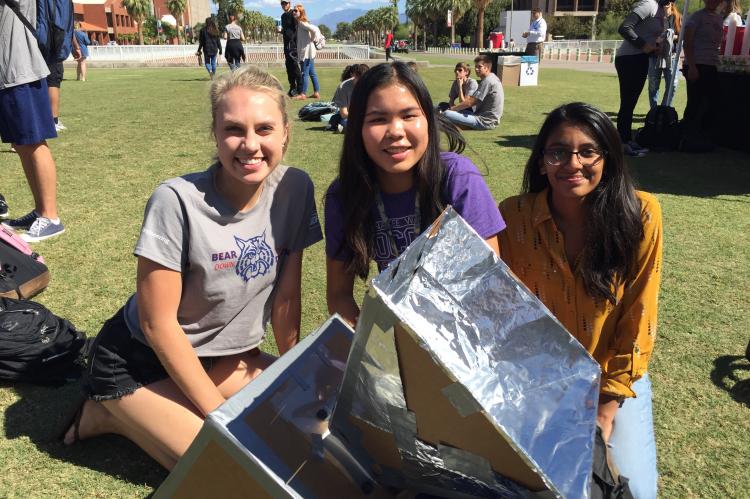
(317, 8)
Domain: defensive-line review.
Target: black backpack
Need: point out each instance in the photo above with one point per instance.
(36, 346)
(314, 110)
(607, 483)
(662, 129)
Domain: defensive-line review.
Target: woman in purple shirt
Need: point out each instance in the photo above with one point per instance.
(393, 181)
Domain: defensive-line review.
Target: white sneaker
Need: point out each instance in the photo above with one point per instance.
(42, 228)
(59, 127)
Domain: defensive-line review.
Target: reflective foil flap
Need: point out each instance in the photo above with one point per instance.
(460, 382)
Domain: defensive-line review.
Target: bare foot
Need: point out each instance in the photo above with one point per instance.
(91, 420)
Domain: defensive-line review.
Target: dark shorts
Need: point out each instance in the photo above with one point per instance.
(118, 364)
(55, 77)
(25, 115)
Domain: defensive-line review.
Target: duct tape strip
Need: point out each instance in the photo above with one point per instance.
(461, 399)
(467, 463)
(404, 427)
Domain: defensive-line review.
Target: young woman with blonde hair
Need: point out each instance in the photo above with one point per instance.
(219, 256)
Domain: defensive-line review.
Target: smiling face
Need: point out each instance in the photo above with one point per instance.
(250, 137)
(571, 178)
(395, 135)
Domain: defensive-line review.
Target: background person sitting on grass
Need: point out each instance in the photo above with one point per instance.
(219, 255)
(590, 246)
(487, 102)
(343, 95)
(461, 88)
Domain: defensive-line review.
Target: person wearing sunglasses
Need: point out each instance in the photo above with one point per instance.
(589, 246)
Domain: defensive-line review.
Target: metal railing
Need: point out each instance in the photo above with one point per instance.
(181, 54)
(559, 49)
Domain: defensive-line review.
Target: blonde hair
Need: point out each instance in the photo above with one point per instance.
(302, 14)
(252, 78)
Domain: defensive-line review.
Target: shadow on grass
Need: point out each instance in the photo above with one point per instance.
(526, 141)
(722, 172)
(637, 118)
(726, 375)
(191, 79)
(41, 415)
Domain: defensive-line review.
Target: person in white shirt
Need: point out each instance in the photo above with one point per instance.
(536, 34)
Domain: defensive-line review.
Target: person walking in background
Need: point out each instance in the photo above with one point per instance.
(660, 61)
(23, 85)
(388, 44)
(291, 61)
(536, 34)
(639, 30)
(703, 33)
(590, 247)
(483, 109)
(210, 44)
(83, 45)
(307, 33)
(234, 52)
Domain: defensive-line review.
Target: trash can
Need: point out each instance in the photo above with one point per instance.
(529, 76)
(508, 69)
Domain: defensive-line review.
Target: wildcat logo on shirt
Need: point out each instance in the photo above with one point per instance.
(256, 257)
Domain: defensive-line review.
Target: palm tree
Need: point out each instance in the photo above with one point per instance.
(481, 6)
(176, 8)
(138, 10)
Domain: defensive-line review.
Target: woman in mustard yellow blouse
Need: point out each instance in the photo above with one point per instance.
(589, 246)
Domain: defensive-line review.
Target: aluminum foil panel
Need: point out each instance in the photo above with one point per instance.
(460, 380)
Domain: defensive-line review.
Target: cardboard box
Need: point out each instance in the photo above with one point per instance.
(509, 72)
(271, 438)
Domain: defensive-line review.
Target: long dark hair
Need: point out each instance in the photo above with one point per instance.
(614, 228)
(357, 178)
(211, 28)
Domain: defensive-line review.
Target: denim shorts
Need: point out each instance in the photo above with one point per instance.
(118, 363)
(25, 115)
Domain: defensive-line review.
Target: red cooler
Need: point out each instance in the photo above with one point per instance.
(496, 39)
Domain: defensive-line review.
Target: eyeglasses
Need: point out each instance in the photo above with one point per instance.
(587, 157)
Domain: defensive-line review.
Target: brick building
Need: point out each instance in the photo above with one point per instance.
(107, 20)
(104, 20)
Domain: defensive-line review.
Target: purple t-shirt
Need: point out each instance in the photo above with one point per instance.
(464, 189)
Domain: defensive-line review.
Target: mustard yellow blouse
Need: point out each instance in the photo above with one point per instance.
(620, 337)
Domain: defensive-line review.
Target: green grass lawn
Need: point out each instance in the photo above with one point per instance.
(129, 129)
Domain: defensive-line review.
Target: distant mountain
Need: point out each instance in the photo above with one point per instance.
(340, 16)
(346, 16)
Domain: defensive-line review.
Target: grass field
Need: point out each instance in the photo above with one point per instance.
(129, 129)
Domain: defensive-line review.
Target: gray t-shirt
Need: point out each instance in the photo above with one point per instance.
(20, 59)
(234, 32)
(707, 37)
(230, 261)
(469, 87)
(649, 28)
(490, 100)
(343, 93)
